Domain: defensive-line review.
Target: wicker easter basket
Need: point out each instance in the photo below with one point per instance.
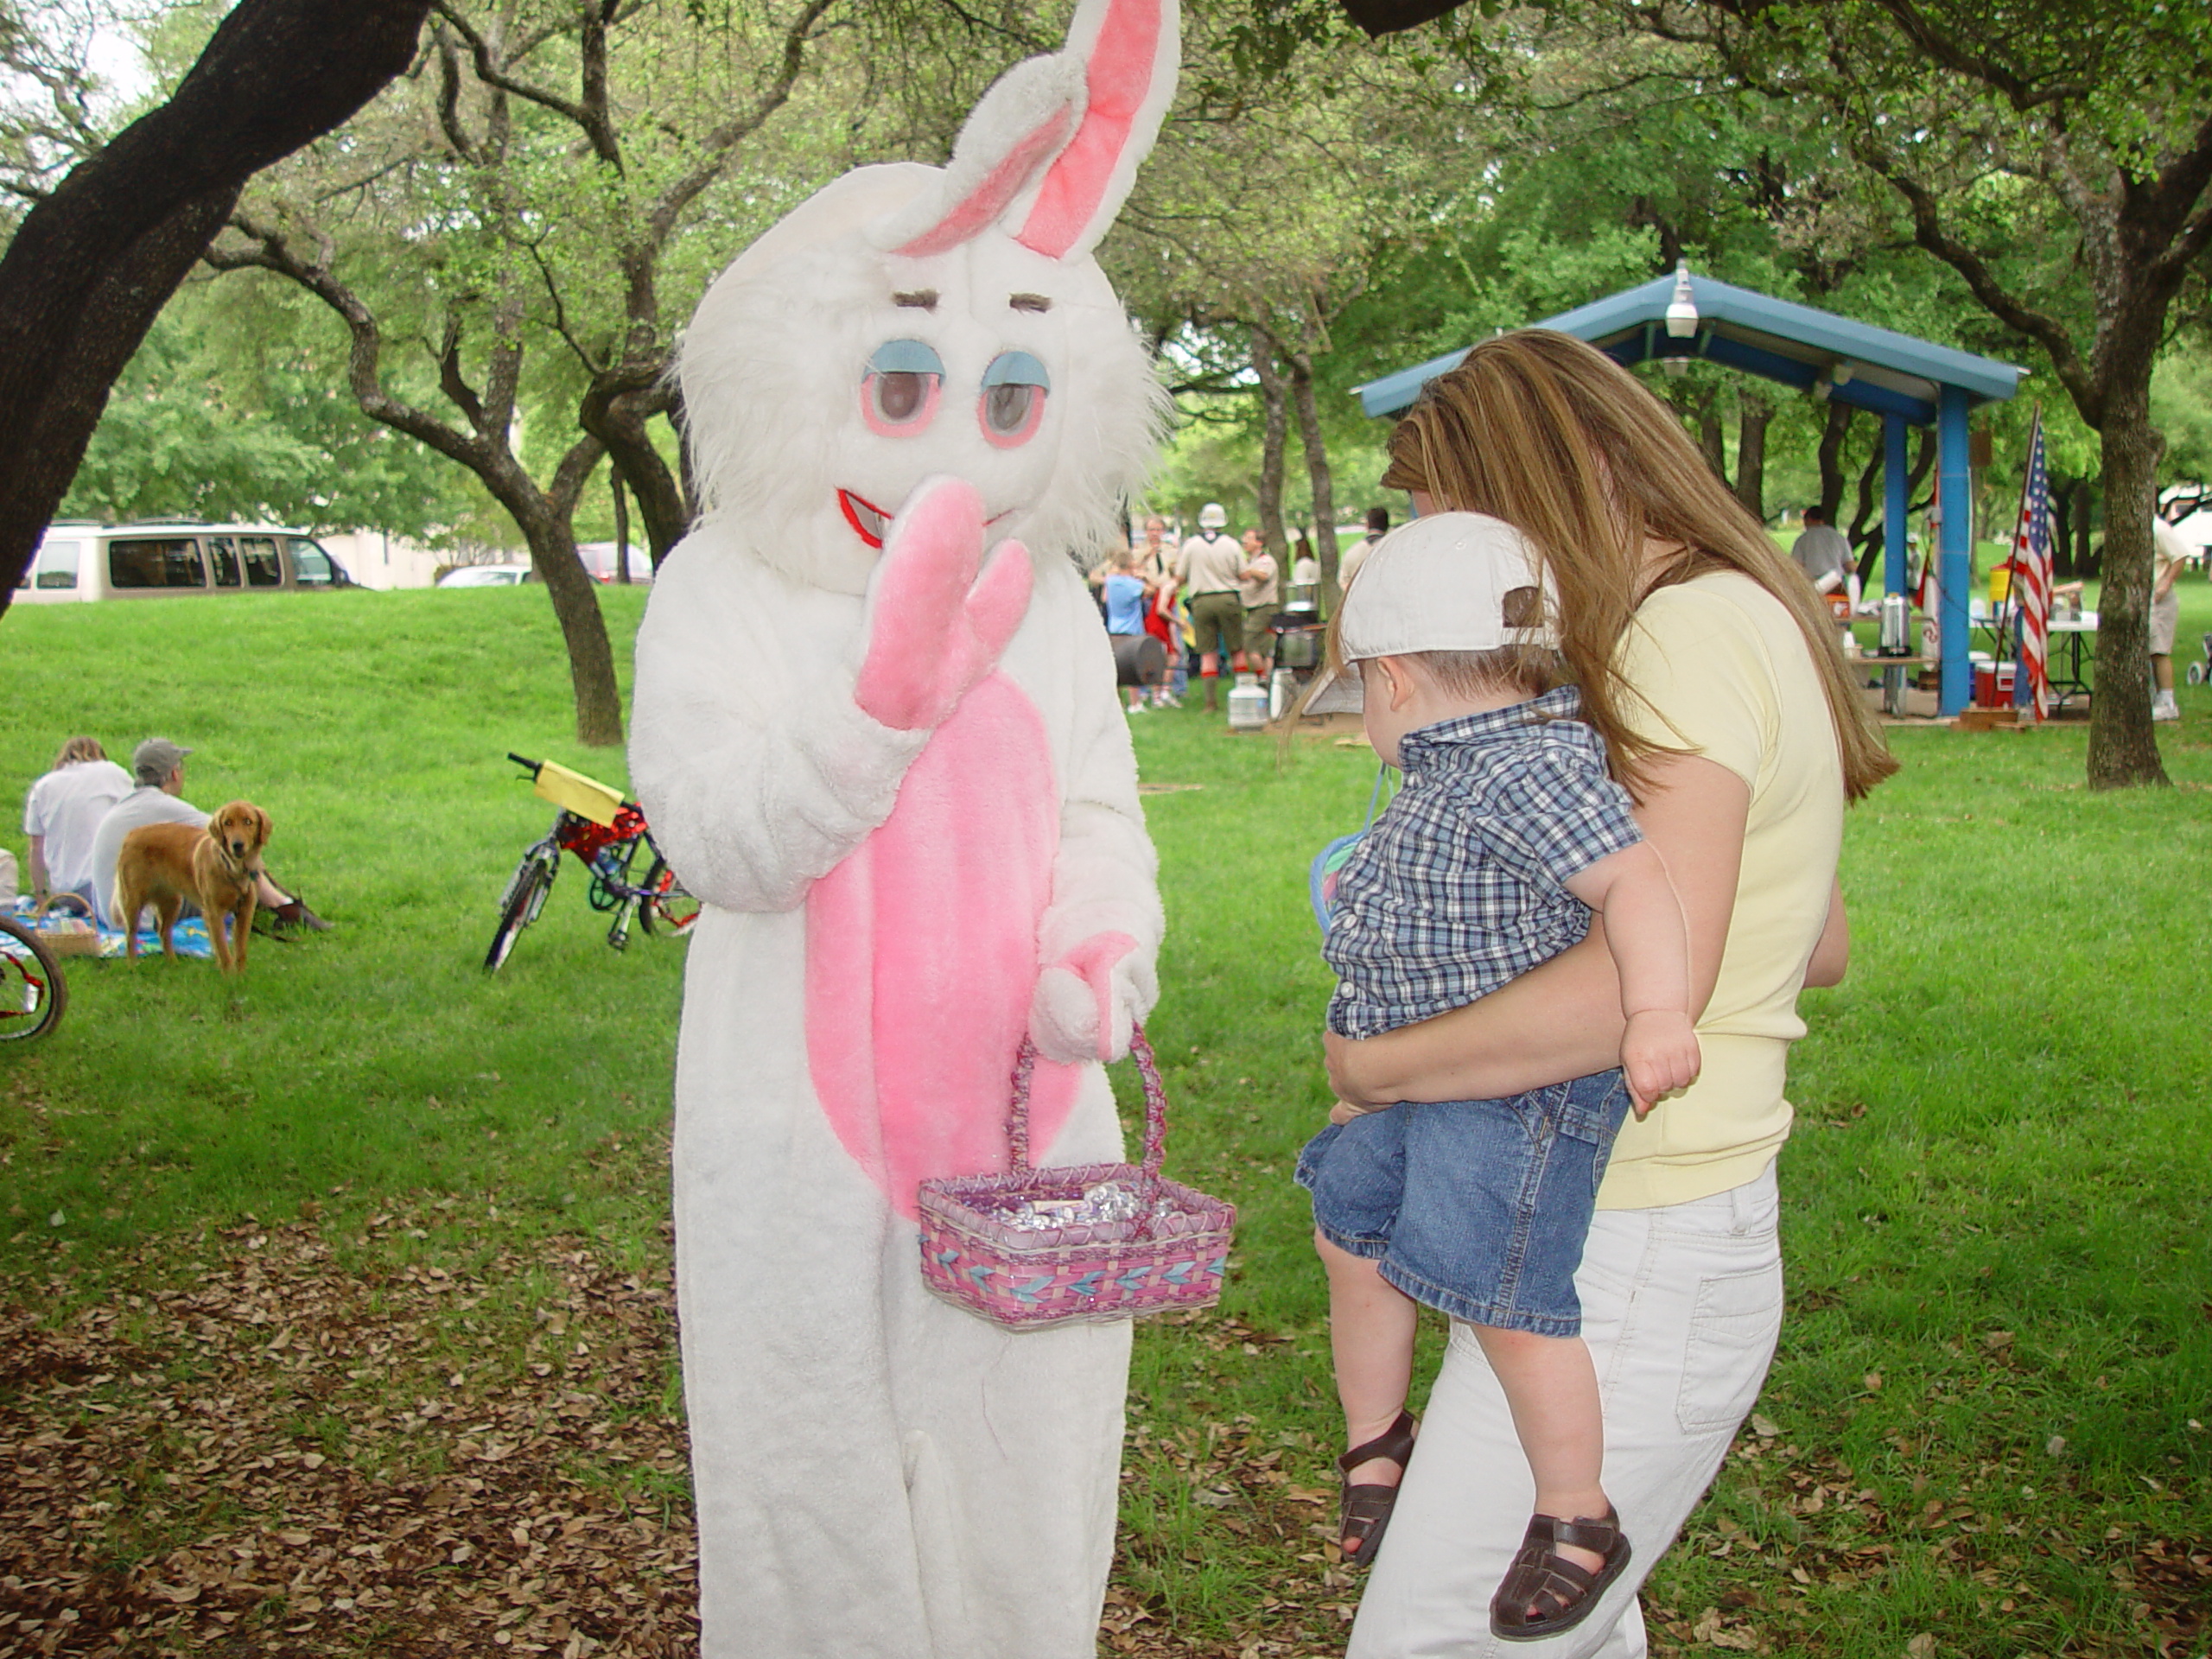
(1172, 1254)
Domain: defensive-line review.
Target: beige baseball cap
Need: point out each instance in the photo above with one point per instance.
(154, 759)
(1443, 582)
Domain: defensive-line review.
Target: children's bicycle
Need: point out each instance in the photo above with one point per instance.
(33, 992)
(606, 833)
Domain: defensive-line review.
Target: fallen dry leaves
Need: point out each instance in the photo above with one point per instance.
(291, 1454)
(429, 1438)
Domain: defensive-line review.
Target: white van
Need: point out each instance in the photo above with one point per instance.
(87, 562)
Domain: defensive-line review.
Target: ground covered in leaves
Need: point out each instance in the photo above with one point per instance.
(419, 1436)
(311, 1446)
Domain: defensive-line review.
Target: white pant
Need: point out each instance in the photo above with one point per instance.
(1681, 1307)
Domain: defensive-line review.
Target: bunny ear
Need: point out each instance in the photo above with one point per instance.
(1022, 122)
(1054, 144)
(1128, 50)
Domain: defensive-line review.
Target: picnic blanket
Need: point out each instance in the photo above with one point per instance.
(191, 935)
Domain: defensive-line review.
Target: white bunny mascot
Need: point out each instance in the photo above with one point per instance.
(893, 766)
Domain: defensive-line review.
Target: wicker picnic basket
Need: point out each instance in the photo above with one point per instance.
(1172, 1254)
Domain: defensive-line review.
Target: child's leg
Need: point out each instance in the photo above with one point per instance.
(1552, 1388)
(1371, 1326)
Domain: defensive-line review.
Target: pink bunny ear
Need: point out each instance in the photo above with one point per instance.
(1021, 124)
(1129, 48)
(1054, 144)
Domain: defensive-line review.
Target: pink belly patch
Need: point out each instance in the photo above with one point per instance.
(921, 956)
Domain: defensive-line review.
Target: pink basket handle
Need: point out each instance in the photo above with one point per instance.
(1155, 1104)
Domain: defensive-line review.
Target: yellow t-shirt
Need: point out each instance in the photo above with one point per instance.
(1723, 671)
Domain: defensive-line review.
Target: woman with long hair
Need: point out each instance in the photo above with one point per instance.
(1712, 672)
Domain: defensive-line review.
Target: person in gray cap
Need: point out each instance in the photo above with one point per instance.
(157, 767)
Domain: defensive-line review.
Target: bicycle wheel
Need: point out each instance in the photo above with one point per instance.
(669, 906)
(33, 992)
(526, 892)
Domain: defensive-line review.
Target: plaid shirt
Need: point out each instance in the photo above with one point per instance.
(1458, 887)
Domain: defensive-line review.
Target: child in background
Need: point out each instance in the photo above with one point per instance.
(1507, 836)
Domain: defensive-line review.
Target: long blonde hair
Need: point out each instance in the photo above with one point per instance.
(1556, 438)
(77, 750)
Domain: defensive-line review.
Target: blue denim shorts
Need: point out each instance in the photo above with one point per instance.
(1477, 1207)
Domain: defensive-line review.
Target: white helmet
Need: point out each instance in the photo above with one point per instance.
(1210, 516)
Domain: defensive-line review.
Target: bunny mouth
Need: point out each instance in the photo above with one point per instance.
(869, 521)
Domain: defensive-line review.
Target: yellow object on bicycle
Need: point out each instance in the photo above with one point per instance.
(574, 792)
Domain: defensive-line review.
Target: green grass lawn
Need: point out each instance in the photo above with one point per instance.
(375, 1210)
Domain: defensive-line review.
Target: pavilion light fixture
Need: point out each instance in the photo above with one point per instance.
(1681, 309)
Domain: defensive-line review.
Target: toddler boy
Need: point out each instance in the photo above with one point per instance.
(1507, 836)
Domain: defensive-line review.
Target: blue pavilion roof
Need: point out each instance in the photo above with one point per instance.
(1799, 346)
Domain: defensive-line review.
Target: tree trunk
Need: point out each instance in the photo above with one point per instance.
(1318, 475)
(92, 264)
(1752, 415)
(621, 524)
(1833, 435)
(2123, 752)
(575, 605)
(617, 415)
(1713, 440)
(2062, 497)
(1273, 434)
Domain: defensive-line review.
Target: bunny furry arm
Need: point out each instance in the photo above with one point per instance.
(1099, 941)
(757, 770)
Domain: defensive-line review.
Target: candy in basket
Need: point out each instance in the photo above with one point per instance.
(1080, 1242)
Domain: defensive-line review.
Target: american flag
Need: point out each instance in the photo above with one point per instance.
(2030, 567)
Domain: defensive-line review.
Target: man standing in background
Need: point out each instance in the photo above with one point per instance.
(1822, 553)
(1211, 567)
(1378, 522)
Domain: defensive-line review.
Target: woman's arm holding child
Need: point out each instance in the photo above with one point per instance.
(1650, 943)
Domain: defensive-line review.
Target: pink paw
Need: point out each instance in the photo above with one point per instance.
(935, 627)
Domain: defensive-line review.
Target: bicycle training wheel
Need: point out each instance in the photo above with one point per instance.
(525, 898)
(33, 992)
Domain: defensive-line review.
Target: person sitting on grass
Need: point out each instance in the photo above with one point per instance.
(158, 766)
(62, 815)
(1507, 836)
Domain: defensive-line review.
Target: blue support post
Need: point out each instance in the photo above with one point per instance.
(1956, 496)
(1896, 501)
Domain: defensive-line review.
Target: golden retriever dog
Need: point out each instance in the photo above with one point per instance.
(164, 864)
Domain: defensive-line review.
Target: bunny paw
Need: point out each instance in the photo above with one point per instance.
(934, 626)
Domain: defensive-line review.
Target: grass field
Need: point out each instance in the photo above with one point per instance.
(333, 1313)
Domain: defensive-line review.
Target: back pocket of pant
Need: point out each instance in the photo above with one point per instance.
(1732, 1329)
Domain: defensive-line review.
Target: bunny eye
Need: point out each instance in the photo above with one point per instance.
(899, 392)
(1013, 398)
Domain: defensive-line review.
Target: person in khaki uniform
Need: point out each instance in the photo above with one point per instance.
(1211, 569)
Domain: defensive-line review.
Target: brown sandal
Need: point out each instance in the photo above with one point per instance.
(1363, 1511)
(1543, 1595)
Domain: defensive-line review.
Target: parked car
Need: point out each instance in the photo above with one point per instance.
(487, 575)
(599, 558)
(82, 562)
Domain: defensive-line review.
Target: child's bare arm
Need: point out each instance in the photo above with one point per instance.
(1650, 943)
(1832, 956)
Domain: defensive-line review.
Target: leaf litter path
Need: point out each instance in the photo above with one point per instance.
(288, 1454)
(296, 1445)
(393, 1444)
